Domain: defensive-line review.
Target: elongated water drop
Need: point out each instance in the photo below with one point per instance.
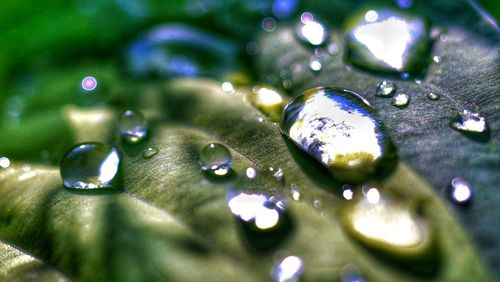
(90, 166)
(460, 191)
(401, 101)
(432, 96)
(132, 126)
(268, 101)
(385, 89)
(471, 124)
(288, 270)
(338, 128)
(149, 152)
(215, 158)
(388, 41)
(311, 31)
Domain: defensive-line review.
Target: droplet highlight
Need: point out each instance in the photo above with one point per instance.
(433, 96)
(471, 124)
(401, 101)
(460, 191)
(268, 101)
(288, 270)
(311, 31)
(90, 166)
(132, 126)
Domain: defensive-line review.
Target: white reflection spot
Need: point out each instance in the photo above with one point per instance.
(373, 195)
(109, 167)
(252, 207)
(371, 16)
(288, 270)
(4, 162)
(89, 83)
(313, 32)
(227, 87)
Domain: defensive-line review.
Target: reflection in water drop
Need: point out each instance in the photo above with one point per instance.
(460, 191)
(216, 158)
(401, 101)
(4, 162)
(90, 165)
(385, 89)
(388, 40)
(471, 123)
(89, 83)
(315, 64)
(432, 96)
(284, 8)
(268, 101)
(288, 270)
(269, 24)
(338, 128)
(132, 126)
(310, 31)
(264, 220)
(149, 152)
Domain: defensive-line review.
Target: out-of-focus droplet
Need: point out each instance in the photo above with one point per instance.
(283, 9)
(251, 173)
(388, 41)
(347, 192)
(269, 24)
(264, 220)
(388, 225)
(150, 152)
(176, 50)
(405, 4)
(436, 59)
(385, 89)
(227, 87)
(277, 173)
(90, 166)
(339, 129)
(4, 162)
(252, 48)
(89, 83)
(351, 273)
(288, 270)
(268, 101)
(472, 124)
(432, 96)
(315, 64)
(460, 191)
(132, 126)
(311, 31)
(216, 159)
(295, 193)
(401, 101)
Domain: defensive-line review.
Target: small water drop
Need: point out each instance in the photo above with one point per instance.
(227, 87)
(310, 31)
(387, 40)
(132, 126)
(460, 191)
(315, 64)
(268, 101)
(295, 192)
(347, 192)
(472, 124)
(89, 83)
(432, 96)
(351, 273)
(252, 48)
(288, 270)
(436, 59)
(332, 49)
(401, 101)
(317, 204)
(216, 159)
(338, 128)
(90, 166)
(385, 89)
(277, 173)
(251, 173)
(4, 162)
(269, 24)
(150, 152)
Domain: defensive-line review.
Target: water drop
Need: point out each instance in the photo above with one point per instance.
(132, 126)
(317, 204)
(264, 221)
(174, 50)
(269, 24)
(436, 59)
(295, 192)
(251, 173)
(347, 192)
(315, 64)
(338, 128)
(288, 270)
(150, 152)
(90, 166)
(385, 89)
(268, 101)
(350, 273)
(389, 225)
(388, 41)
(227, 87)
(277, 173)
(311, 31)
(4, 162)
(401, 101)
(216, 158)
(89, 83)
(472, 124)
(332, 49)
(432, 96)
(460, 191)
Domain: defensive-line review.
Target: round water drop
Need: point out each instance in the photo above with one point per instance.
(311, 31)
(288, 270)
(150, 152)
(347, 192)
(471, 124)
(268, 101)
(4, 162)
(436, 59)
(277, 173)
(269, 24)
(89, 83)
(295, 192)
(90, 166)
(216, 158)
(388, 41)
(385, 89)
(460, 191)
(338, 128)
(432, 96)
(401, 101)
(251, 173)
(132, 126)
(315, 64)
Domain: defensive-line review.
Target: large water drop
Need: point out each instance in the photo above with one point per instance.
(471, 124)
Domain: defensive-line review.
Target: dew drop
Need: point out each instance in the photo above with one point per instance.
(472, 124)
(90, 166)
(460, 191)
(385, 89)
(227, 87)
(4, 162)
(388, 41)
(401, 101)
(269, 24)
(150, 152)
(264, 220)
(288, 270)
(338, 128)
(295, 192)
(432, 96)
(215, 158)
(436, 59)
(132, 126)
(268, 101)
(347, 192)
(251, 173)
(317, 204)
(315, 64)
(311, 31)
